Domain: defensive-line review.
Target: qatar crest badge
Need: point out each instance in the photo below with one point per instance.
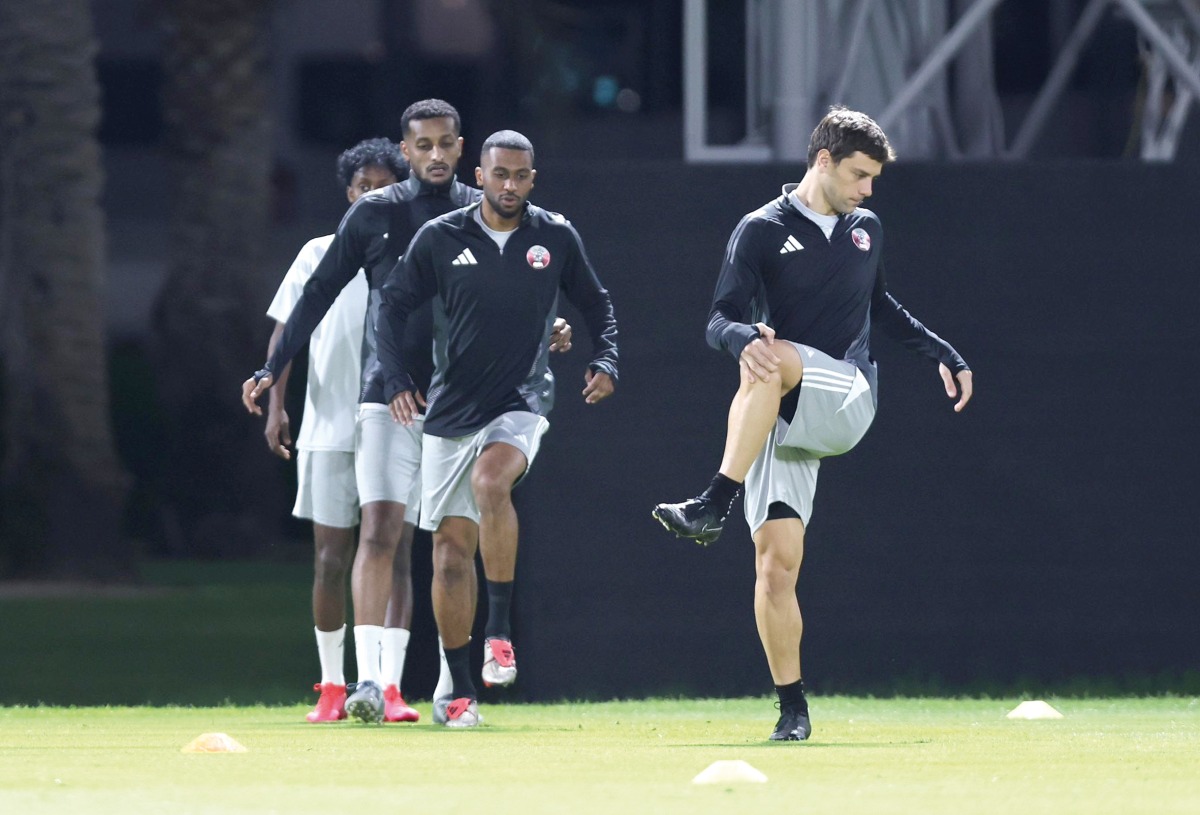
(538, 257)
(861, 239)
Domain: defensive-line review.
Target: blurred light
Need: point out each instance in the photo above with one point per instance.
(629, 101)
(605, 91)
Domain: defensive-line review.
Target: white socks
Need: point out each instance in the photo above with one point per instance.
(445, 685)
(395, 648)
(331, 650)
(368, 642)
(380, 653)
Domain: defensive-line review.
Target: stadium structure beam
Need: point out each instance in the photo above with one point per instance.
(1056, 82)
(791, 44)
(937, 60)
(1184, 73)
(695, 96)
(1162, 48)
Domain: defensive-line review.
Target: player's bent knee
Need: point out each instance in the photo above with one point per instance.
(491, 489)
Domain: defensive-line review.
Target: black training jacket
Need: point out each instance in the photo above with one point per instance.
(780, 269)
(491, 312)
(372, 236)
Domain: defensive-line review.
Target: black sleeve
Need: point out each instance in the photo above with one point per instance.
(906, 329)
(412, 281)
(730, 325)
(341, 263)
(582, 287)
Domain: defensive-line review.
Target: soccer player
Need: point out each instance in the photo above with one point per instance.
(327, 493)
(800, 287)
(494, 270)
(373, 234)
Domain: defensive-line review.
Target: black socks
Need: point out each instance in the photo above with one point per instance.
(499, 603)
(721, 492)
(791, 697)
(458, 660)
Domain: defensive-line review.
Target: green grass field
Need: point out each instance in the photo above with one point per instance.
(926, 756)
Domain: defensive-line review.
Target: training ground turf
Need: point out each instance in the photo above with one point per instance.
(926, 756)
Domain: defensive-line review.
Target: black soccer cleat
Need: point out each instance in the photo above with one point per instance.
(793, 725)
(695, 518)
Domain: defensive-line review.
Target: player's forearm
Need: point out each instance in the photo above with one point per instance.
(390, 326)
(276, 396)
(726, 334)
(901, 326)
(602, 327)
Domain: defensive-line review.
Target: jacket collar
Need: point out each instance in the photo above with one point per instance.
(473, 208)
(415, 187)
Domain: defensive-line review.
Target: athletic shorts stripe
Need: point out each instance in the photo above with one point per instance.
(834, 410)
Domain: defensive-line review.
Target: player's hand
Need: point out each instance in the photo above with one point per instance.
(560, 335)
(758, 358)
(279, 433)
(251, 390)
(404, 407)
(599, 386)
(963, 390)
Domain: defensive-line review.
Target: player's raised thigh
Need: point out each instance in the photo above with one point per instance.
(791, 364)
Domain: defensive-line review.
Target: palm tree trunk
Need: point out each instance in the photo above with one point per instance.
(63, 485)
(209, 329)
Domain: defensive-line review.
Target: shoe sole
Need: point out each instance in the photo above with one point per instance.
(404, 717)
(325, 721)
(365, 712)
(790, 736)
(703, 539)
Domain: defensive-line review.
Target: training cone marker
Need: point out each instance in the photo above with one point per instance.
(1034, 709)
(729, 772)
(213, 743)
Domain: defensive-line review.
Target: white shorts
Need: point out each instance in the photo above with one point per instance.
(387, 458)
(327, 493)
(834, 410)
(446, 464)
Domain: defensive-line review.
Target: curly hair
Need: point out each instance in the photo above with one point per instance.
(844, 132)
(380, 152)
(429, 109)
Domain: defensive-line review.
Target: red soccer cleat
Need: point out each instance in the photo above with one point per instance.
(331, 707)
(395, 709)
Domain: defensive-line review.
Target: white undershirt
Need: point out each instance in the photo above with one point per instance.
(500, 238)
(334, 353)
(826, 222)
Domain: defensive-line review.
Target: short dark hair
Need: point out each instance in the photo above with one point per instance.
(382, 152)
(429, 109)
(507, 140)
(844, 132)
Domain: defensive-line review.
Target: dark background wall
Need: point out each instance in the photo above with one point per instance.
(1047, 533)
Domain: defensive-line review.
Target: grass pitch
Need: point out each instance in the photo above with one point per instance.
(867, 756)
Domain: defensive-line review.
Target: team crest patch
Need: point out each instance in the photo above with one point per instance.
(538, 257)
(861, 239)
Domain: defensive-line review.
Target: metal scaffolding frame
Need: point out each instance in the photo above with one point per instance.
(896, 56)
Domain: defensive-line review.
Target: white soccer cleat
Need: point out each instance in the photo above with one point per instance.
(499, 663)
(456, 712)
